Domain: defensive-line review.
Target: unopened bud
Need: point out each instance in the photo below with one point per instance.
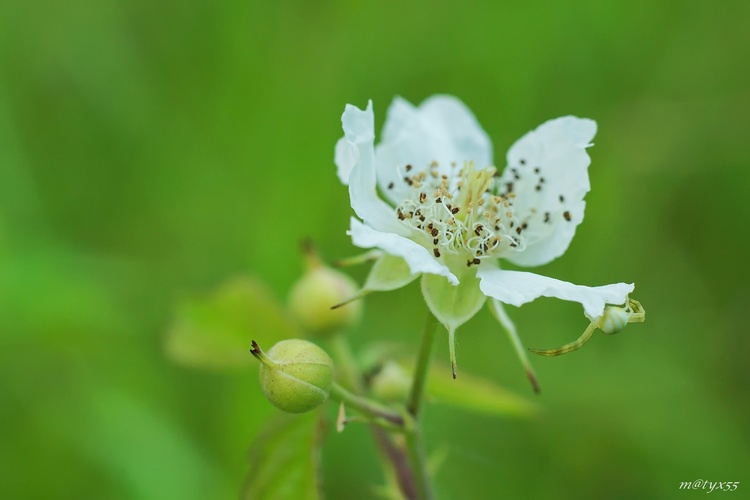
(296, 375)
(392, 383)
(313, 295)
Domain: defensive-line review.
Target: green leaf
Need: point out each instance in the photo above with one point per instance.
(452, 305)
(475, 394)
(114, 430)
(215, 331)
(285, 459)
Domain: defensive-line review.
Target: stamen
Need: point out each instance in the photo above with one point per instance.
(451, 217)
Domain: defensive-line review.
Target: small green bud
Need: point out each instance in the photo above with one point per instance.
(314, 294)
(392, 383)
(296, 375)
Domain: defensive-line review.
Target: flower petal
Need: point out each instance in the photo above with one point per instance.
(415, 255)
(441, 129)
(346, 155)
(356, 156)
(547, 170)
(517, 288)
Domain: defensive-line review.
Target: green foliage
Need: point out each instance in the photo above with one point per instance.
(285, 459)
(154, 149)
(475, 394)
(215, 331)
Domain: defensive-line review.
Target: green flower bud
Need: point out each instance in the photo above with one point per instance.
(392, 383)
(312, 297)
(296, 375)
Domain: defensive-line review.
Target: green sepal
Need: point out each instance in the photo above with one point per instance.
(452, 305)
(389, 273)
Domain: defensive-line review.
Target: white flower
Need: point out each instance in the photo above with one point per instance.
(449, 215)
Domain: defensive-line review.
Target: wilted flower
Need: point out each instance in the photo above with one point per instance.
(449, 215)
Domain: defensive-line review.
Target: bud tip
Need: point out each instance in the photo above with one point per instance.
(534, 382)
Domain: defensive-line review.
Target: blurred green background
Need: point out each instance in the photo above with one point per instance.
(150, 151)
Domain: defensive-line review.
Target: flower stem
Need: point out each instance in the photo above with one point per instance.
(366, 406)
(394, 454)
(423, 364)
(413, 437)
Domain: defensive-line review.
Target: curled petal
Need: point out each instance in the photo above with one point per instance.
(356, 155)
(345, 157)
(518, 288)
(416, 256)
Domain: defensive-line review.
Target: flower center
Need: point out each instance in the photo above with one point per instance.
(460, 213)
